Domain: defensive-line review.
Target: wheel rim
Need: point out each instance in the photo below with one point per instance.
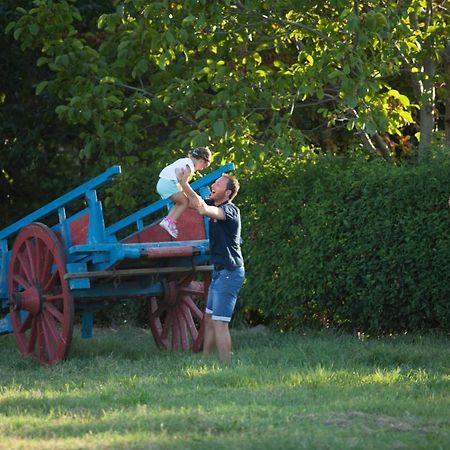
(176, 320)
(37, 286)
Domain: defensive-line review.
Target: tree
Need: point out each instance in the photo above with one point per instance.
(32, 156)
(245, 77)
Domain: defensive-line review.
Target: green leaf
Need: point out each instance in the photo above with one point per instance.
(41, 61)
(41, 86)
(219, 128)
(370, 127)
(201, 112)
(406, 115)
(9, 27)
(351, 101)
(34, 29)
(17, 33)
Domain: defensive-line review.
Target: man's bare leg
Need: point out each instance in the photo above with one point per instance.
(223, 340)
(209, 343)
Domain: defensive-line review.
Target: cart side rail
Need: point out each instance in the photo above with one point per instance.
(60, 202)
(138, 217)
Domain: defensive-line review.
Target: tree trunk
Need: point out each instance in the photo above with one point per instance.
(427, 104)
(446, 63)
(374, 144)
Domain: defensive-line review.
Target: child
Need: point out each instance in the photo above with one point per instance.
(168, 184)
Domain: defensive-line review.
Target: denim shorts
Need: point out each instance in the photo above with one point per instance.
(223, 290)
(166, 188)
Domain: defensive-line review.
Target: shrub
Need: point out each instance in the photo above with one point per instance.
(342, 242)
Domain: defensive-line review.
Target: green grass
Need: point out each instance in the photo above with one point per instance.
(311, 391)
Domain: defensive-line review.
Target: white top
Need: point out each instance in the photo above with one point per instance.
(169, 172)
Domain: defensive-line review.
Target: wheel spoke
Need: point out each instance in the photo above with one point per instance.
(25, 268)
(26, 324)
(53, 335)
(184, 282)
(193, 307)
(46, 266)
(183, 330)
(189, 321)
(167, 325)
(158, 311)
(21, 281)
(37, 256)
(51, 281)
(49, 338)
(175, 332)
(40, 339)
(33, 336)
(30, 249)
(49, 325)
(194, 289)
(55, 312)
(54, 297)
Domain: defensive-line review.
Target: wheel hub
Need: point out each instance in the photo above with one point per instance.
(30, 300)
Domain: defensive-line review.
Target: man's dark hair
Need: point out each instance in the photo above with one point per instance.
(232, 185)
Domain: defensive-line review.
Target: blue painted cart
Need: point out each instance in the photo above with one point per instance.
(75, 264)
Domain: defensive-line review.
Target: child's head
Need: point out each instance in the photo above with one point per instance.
(201, 157)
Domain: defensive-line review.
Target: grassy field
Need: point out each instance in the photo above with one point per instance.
(296, 391)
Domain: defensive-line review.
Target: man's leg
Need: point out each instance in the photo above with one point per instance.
(222, 339)
(209, 343)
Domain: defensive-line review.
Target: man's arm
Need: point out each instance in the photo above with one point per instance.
(211, 211)
(198, 203)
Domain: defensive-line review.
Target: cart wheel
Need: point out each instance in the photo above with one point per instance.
(37, 286)
(177, 319)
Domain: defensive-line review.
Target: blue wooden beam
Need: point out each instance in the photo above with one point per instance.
(60, 202)
(160, 204)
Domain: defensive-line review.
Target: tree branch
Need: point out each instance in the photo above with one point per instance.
(142, 90)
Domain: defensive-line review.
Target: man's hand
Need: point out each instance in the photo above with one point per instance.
(211, 211)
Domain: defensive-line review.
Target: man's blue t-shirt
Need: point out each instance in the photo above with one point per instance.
(225, 237)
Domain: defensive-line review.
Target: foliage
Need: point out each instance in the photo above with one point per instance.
(244, 77)
(364, 246)
(282, 391)
(39, 153)
(30, 142)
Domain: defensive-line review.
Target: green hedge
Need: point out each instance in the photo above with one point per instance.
(348, 243)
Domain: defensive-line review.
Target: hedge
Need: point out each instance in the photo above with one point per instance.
(335, 242)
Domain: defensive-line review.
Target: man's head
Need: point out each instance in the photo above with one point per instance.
(224, 188)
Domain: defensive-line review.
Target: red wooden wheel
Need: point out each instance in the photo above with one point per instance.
(176, 319)
(37, 286)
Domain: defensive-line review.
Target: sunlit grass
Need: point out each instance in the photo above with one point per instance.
(318, 390)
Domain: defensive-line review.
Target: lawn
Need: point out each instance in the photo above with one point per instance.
(312, 390)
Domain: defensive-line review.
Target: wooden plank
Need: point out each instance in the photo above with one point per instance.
(137, 272)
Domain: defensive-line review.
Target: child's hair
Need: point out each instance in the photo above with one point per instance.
(232, 185)
(201, 153)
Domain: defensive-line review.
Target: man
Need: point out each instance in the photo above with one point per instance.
(226, 256)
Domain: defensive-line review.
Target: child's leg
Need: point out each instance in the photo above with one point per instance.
(181, 203)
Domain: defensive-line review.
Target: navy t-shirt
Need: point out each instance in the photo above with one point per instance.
(225, 237)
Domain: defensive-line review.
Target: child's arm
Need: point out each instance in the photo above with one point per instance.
(180, 173)
(190, 193)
